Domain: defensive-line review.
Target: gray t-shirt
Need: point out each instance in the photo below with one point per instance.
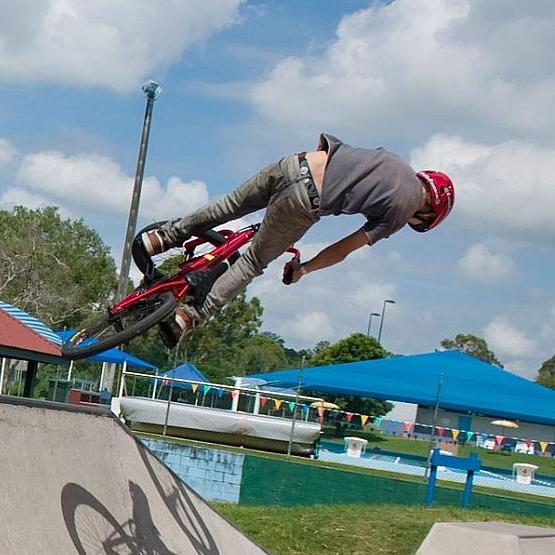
(372, 182)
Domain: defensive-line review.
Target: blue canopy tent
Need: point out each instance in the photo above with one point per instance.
(468, 384)
(113, 356)
(185, 371)
(110, 356)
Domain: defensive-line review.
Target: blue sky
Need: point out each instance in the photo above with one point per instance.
(466, 86)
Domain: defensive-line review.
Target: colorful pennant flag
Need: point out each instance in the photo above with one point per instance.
(234, 394)
(363, 419)
(499, 440)
(263, 401)
(407, 426)
(320, 411)
(194, 387)
(349, 416)
(529, 443)
(378, 421)
(219, 392)
(206, 388)
(543, 446)
(455, 434)
(469, 436)
(440, 431)
(277, 403)
(291, 405)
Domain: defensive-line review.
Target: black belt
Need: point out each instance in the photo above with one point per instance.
(308, 180)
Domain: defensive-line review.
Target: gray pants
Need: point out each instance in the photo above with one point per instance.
(281, 189)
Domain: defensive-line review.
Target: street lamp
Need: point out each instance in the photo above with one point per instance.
(370, 323)
(152, 90)
(387, 301)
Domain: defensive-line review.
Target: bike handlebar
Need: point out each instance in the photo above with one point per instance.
(288, 270)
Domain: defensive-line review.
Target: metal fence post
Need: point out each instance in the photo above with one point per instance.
(295, 409)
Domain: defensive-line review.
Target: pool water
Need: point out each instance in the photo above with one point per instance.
(402, 462)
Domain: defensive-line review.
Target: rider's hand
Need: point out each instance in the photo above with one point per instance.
(292, 272)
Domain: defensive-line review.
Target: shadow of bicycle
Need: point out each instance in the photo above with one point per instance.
(181, 503)
(93, 529)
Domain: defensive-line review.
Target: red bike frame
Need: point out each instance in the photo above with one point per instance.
(177, 284)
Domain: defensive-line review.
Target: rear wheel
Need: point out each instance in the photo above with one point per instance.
(111, 330)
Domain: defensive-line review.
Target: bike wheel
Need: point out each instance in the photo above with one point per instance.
(91, 526)
(111, 330)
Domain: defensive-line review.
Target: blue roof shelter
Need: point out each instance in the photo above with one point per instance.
(186, 371)
(113, 356)
(468, 384)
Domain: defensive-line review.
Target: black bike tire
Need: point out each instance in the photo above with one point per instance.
(74, 352)
(73, 496)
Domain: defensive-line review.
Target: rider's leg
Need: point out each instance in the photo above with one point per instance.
(288, 216)
(252, 195)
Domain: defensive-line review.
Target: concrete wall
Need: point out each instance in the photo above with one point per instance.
(481, 424)
(213, 474)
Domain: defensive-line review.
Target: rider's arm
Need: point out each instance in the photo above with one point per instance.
(328, 257)
(337, 252)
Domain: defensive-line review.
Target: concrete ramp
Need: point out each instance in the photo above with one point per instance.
(487, 538)
(76, 481)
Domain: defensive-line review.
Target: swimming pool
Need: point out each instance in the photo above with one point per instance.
(416, 466)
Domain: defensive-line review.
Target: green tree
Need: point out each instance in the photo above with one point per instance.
(261, 353)
(215, 347)
(471, 345)
(546, 373)
(354, 348)
(58, 270)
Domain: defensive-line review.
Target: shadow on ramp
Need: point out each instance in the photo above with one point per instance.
(80, 482)
(93, 529)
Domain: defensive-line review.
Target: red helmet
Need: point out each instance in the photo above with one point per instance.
(442, 193)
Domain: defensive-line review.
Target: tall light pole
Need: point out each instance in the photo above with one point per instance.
(387, 301)
(152, 90)
(370, 322)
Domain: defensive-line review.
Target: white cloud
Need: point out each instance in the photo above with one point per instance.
(102, 43)
(503, 188)
(507, 341)
(334, 302)
(480, 264)
(409, 66)
(309, 327)
(99, 185)
(7, 152)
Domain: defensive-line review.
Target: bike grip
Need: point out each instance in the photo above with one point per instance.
(288, 271)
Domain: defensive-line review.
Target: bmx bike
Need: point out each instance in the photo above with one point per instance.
(158, 295)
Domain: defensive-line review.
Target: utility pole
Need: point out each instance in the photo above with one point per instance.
(434, 422)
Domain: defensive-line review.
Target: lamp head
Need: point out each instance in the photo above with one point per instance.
(151, 89)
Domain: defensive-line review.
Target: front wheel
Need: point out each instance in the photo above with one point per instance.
(111, 330)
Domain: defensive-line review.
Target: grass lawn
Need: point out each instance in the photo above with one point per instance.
(351, 529)
(546, 465)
